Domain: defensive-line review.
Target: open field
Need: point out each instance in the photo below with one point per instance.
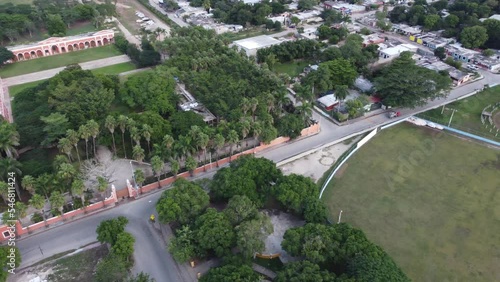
(56, 61)
(468, 113)
(114, 69)
(291, 68)
(431, 200)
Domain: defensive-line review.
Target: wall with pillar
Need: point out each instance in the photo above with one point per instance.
(59, 45)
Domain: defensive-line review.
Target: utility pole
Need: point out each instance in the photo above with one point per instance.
(340, 217)
(451, 118)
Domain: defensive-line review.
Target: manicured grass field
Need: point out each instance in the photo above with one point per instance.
(114, 69)
(291, 68)
(51, 62)
(431, 200)
(468, 113)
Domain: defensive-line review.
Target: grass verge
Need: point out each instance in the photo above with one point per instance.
(428, 198)
(467, 116)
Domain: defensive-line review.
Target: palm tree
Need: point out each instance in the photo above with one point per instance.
(219, 143)
(20, 210)
(194, 133)
(305, 111)
(158, 166)
(139, 178)
(110, 123)
(38, 202)
(341, 92)
(9, 138)
(57, 201)
(10, 166)
(73, 138)
(270, 102)
(168, 142)
(138, 153)
(135, 135)
(78, 189)
(245, 127)
(29, 183)
(146, 133)
(245, 105)
(253, 106)
(132, 129)
(4, 191)
(66, 173)
(202, 143)
(85, 134)
(102, 186)
(232, 139)
(257, 131)
(65, 147)
(191, 164)
(122, 123)
(174, 167)
(93, 127)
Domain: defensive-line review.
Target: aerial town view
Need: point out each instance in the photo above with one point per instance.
(249, 140)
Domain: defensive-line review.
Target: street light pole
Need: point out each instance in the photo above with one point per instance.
(340, 217)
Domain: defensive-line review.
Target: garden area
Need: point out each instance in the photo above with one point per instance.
(428, 198)
(46, 63)
(467, 116)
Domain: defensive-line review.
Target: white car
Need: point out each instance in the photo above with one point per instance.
(150, 23)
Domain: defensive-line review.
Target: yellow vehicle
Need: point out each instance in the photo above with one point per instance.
(152, 218)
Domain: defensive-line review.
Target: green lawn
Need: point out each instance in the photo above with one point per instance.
(80, 28)
(439, 218)
(16, 89)
(114, 69)
(468, 114)
(51, 62)
(292, 68)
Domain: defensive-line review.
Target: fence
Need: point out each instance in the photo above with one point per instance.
(346, 156)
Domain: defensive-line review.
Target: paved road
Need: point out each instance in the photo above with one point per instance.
(21, 79)
(150, 254)
(180, 22)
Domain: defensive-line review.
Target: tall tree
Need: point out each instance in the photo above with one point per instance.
(93, 127)
(5, 55)
(38, 202)
(9, 138)
(66, 173)
(29, 183)
(85, 134)
(4, 192)
(146, 131)
(219, 142)
(124, 246)
(110, 123)
(214, 232)
(73, 138)
(122, 123)
(473, 37)
(78, 189)
(232, 139)
(65, 147)
(138, 153)
(55, 127)
(57, 201)
(108, 230)
(102, 187)
(183, 203)
(158, 166)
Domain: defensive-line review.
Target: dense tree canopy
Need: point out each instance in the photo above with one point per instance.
(343, 246)
(407, 85)
(183, 203)
(294, 190)
(473, 37)
(151, 90)
(5, 55)
(214, 232)
(252, 177)
(290, 50)
(304, 271)
(108, 230)
(231, 273)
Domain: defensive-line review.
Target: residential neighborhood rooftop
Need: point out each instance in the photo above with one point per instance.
(257, 42)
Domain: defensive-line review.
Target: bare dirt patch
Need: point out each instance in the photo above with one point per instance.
(316, 164)
(281, 222)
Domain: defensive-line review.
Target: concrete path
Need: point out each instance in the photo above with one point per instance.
(128, 35)
(25, 78)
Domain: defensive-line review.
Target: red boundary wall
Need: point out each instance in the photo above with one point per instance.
(130, 192)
